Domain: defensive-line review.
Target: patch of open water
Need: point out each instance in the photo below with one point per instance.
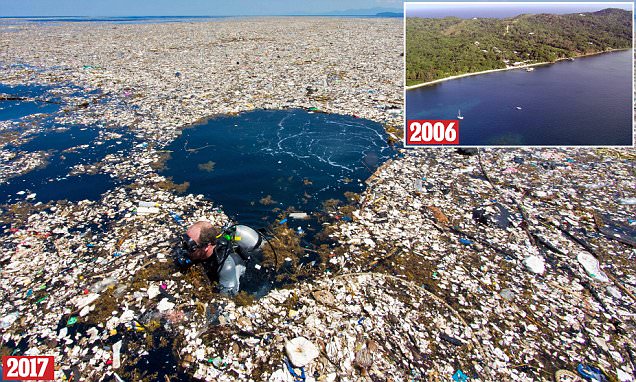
(262, 162)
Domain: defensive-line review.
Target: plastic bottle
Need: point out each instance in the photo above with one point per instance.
(147, 210)
(102, 284)
(418, 185)
(8, 320)
(148, 204)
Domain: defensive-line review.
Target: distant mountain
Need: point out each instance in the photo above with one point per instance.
(611, 11)
(365, 12)
(390, 14)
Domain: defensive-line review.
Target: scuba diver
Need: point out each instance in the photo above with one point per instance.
(225, 251)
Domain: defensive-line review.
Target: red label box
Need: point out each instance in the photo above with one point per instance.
(422, 132)
(28, 368)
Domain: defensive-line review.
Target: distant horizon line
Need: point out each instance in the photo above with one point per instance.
(204, 16)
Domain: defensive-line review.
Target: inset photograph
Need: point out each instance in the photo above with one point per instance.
(519, 74)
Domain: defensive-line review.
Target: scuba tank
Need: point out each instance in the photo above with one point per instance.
(230, 274)
(244, 239)
(233, 249)
(247, 240)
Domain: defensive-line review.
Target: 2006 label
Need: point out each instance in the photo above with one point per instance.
(432, 132)
(27, 368)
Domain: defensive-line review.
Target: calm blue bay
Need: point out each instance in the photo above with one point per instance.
(587, 101)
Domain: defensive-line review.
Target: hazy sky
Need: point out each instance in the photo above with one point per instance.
(183, 7)
(468, 10)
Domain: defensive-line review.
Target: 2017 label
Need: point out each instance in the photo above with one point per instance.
(432, 132)
(27, 368)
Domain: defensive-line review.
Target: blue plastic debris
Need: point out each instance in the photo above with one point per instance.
(459, 376)
(360, 321)
(176, 217)
(465, 241)
(416, 375)
(290, 369)
(346, 218)
(591, 373)
(283, 221)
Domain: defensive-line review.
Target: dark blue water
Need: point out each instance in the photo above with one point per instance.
(297, 158)
(12, 110)
(109, 19)
(148, 19)
(587, 101)
(41, 134)
(52, 182)
(59, 139)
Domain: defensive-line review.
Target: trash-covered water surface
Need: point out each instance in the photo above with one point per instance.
(22, 100)
(489, 265)
(63, 152)
(48, 155)
(261, 162)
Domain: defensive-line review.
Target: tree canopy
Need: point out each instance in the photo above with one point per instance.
(438, 48)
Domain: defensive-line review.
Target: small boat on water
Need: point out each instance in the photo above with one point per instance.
(529, 69)
(459, 114)
(518, 107)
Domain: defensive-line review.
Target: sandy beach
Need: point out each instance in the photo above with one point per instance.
(503, 69)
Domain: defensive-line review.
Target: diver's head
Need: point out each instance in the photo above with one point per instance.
(199, 240)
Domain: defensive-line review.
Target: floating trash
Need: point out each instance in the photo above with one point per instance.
(301, 351)
(591, 266)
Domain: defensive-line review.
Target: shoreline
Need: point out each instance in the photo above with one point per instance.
(505, 69)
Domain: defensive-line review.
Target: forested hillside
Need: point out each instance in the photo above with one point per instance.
(438, 48)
